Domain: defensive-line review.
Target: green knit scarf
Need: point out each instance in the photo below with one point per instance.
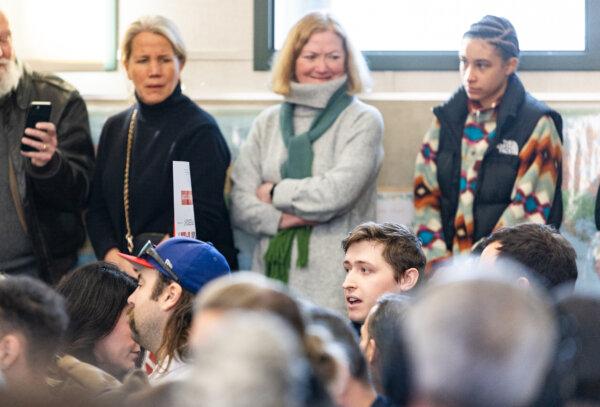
(278, 256)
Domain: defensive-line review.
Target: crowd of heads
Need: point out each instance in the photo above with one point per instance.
(486, 330)
(473, 334)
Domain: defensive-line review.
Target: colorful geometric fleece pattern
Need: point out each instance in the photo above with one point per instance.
(479, 130)
(532, 194)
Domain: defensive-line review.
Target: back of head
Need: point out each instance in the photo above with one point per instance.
(387, 316)
(581, 315)
(539, 247)
(342, 332)
(96, 295)
(499, 32)
(249, 359)
(481, 340)
(298, 36)
(402, 249)
(389, 369)
(251, 291)
(31, 308)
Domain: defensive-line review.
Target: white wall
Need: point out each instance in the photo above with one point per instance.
(219, 36)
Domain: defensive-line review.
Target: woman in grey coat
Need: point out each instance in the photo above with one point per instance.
(307, 173)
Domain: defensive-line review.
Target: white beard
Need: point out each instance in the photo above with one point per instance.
(9, 79)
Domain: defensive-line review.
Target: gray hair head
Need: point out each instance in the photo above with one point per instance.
(248, 359)
(477, 337)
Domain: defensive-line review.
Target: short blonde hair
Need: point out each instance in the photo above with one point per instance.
(157, 25)
(315, 22)
(251, 291)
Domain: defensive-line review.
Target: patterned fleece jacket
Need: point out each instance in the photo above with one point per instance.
(532, 194)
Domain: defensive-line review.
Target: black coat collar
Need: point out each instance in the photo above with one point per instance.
(453, 112)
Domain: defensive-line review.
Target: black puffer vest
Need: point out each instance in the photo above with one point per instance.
(518, 115)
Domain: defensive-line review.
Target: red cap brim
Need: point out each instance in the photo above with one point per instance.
(136, 260)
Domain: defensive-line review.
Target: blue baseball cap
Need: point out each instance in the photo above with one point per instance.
(193, 262)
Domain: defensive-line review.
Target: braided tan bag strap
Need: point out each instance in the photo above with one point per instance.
(130, 134)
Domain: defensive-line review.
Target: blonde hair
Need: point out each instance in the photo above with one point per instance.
(156, 25)
(316, 22)
(253, 291)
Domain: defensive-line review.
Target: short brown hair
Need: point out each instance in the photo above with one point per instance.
(300, 33)
(402, 248)
(36, 311)
(539, 247)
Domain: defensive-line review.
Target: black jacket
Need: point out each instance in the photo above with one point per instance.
(597, 211)
(50, 200)
(518, 115)
(173, 130)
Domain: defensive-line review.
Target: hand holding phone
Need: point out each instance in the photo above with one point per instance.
(38, 112)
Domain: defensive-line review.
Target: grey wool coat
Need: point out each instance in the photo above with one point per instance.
(340, 194)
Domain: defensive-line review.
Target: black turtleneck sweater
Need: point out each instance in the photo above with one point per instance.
(173, 130)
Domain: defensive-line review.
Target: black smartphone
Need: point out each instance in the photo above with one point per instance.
(38, 112)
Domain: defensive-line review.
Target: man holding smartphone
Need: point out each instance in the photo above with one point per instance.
(42, 191)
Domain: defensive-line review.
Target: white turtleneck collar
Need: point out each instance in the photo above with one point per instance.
(315, 95)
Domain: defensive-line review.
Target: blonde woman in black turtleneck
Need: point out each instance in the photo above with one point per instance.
(161, 127)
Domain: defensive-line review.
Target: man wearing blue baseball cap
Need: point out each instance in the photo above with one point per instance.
(170, 275)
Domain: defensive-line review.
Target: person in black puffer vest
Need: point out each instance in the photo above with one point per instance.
(493, 155)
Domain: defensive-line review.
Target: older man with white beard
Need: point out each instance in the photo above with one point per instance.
(42, 192)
